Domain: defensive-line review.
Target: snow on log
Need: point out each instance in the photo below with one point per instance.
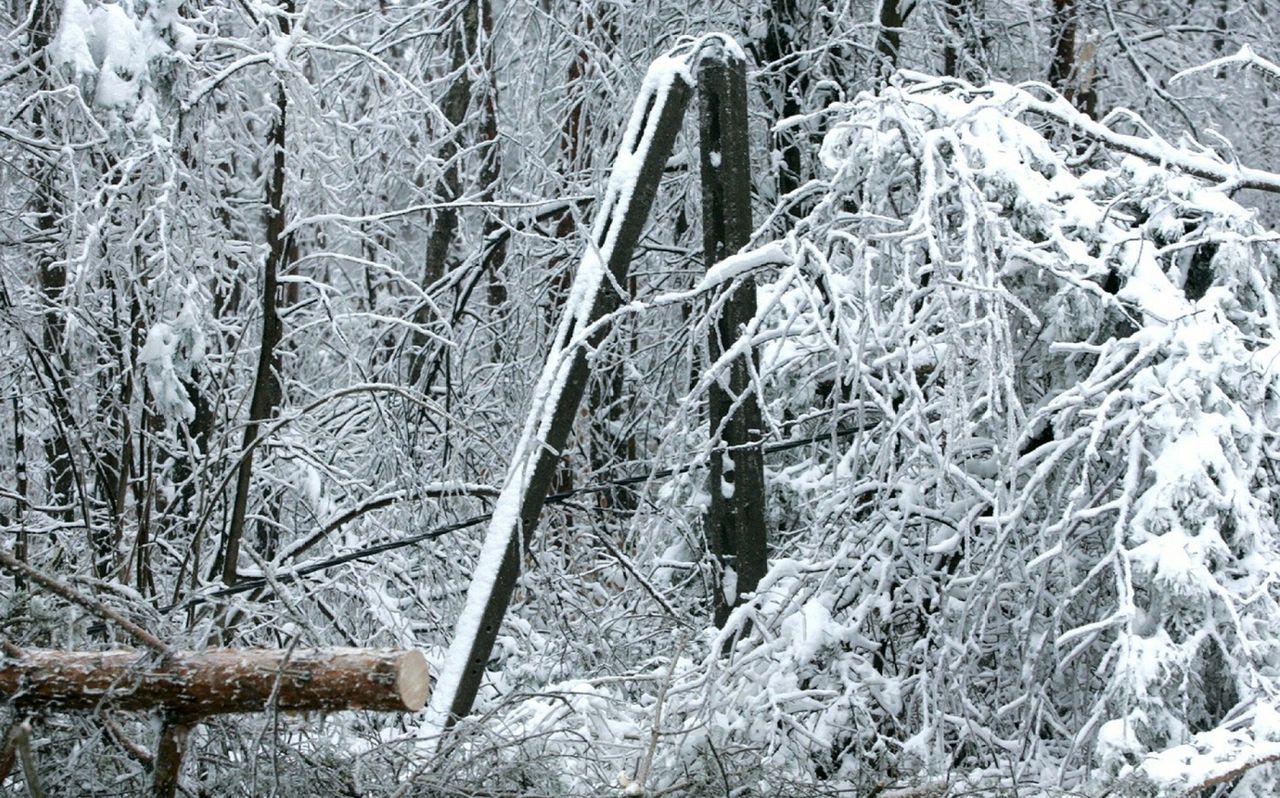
(217, 681)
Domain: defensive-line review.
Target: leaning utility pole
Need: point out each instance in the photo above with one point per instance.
(737, 470)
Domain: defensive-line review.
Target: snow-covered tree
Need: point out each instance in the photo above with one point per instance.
(1035, 544)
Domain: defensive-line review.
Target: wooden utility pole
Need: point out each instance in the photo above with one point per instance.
(735, 520)
(736, 525)
(656, 120)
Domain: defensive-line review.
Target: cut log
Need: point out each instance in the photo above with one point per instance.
(217, 681)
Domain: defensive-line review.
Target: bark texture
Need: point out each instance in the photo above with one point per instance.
(168, 759)
(192, 684)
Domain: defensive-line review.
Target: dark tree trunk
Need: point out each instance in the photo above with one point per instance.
(266, 395)
(167, 765)
(889, 38)
(783, 25)
(953, 10)
(456, 103)
(490, 176)
(52, 276)
(20, 480)
(1062, 31)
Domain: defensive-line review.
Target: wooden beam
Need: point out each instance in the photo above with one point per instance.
(193, 684)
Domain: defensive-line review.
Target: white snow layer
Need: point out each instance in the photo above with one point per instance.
(108, 51)
(1113, 555)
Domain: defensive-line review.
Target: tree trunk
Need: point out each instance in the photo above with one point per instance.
(192, 684)
(52, 276)
(780, 46)
(456, 103)
(490, 175)
(1062, 28)
(20, 480)
(889, 39)
(168, 760)
(266, 384)
(952, 10)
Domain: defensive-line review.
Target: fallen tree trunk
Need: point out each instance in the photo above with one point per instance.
(217, 681)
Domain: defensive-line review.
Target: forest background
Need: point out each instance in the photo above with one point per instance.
(275, 280)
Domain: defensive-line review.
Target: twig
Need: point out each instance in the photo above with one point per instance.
(715, 755)
(1245, 57)
(68, 593)
(630, 568)
(929, 790)
(134, 750)
(297, 573)
(273, 713)
(642, 772)
(1222, 778)
(1203, 166)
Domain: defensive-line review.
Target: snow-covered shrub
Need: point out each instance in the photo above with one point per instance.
(1040, 544)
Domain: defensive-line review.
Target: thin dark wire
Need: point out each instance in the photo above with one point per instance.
(391, 545)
